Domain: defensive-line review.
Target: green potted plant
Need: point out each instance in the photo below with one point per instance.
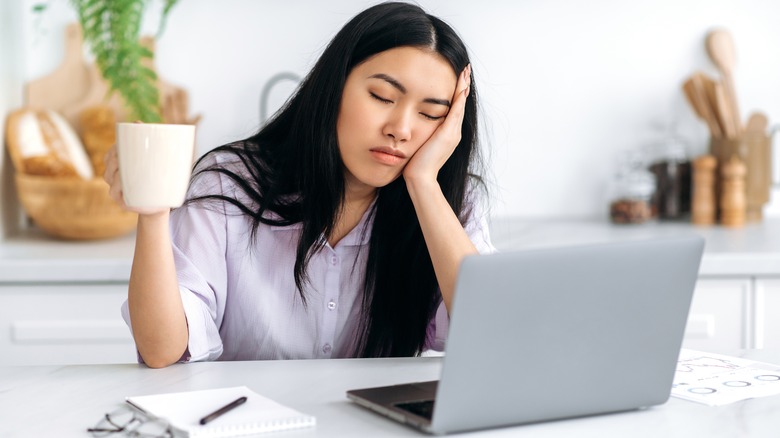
(112, 30)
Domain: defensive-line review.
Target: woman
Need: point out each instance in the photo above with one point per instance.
(335, 231)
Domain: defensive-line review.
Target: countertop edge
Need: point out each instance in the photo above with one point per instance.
(751, 251)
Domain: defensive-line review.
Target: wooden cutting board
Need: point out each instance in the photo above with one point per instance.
(68, 83)
(759, 146)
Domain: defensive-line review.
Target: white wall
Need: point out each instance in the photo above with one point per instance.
(565, 85)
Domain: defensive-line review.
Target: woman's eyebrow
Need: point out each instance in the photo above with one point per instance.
(397, 85)
(390, 80)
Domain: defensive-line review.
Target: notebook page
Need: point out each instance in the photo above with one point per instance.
(183, 410)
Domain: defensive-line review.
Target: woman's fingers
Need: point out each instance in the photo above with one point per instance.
(430, 158)
(111, 175)
(454, 120)
(464, 82)
(458, 106)
(110, 160)
(452, 124)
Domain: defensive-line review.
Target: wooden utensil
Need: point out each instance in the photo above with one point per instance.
(724, 110)
(720, 47)
(695, 92)
(712, 102)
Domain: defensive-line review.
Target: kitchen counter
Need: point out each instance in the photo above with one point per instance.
(38, 258)
(751, 250)
(54, 293)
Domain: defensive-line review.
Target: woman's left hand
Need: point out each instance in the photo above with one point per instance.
(432, 155)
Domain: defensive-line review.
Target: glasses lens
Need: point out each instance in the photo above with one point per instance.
(125, 422)
(113, 422)
(102, 429)
(151, 429)
(122, 419)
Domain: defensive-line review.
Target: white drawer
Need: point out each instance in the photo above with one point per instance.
(63, 324)
(718, 320)
(768, 313)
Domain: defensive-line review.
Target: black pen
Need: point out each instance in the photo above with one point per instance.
(212, 416)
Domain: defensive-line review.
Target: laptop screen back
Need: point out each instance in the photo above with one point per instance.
(563, 332)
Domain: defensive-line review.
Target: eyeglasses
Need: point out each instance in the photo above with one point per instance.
(130, 423)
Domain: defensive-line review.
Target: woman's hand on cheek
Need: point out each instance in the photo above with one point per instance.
(428, 160)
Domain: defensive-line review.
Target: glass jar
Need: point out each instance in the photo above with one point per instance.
(632, 194)
(672, 170)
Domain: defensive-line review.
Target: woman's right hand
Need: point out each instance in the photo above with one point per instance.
(153, 300)
(114, 181)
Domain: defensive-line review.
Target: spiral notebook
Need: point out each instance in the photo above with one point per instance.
(183, 410)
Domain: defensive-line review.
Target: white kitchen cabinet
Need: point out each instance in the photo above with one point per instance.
(46, 324)
(720, 316)
(768, 319)
(60, 301)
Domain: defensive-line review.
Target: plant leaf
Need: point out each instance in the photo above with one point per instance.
(112, 30)
(164, 19)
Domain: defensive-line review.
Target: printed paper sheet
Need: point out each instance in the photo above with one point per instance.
(716, 380)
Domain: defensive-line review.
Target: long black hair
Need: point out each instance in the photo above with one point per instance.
(292, 168)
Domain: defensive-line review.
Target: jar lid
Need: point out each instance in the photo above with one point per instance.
(638, 183)
(672, 148)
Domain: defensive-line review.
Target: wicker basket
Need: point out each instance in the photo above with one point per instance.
(72, 208)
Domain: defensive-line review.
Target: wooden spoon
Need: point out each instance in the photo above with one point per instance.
(712, 100)
(730, 130)
(696, 94)
(720, 47)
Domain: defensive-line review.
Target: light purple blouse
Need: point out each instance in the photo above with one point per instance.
(239, 293)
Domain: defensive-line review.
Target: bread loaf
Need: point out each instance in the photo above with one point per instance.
(41, 142)
(98, 127)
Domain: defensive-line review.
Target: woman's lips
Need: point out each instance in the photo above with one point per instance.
(388, 156)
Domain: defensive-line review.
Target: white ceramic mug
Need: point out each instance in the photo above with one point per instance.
(155, 163)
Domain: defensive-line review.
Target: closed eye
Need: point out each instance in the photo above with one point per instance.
(429, 117)
(379, 98)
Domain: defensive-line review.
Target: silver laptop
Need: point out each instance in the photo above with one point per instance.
(555, 333)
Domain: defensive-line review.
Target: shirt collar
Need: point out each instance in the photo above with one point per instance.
(358, 236)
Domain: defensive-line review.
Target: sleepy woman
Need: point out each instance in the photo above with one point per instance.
(338, 229)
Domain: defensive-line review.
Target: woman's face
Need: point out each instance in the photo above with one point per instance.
(391, 105)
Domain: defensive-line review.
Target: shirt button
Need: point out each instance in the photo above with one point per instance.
(326, 348)
(331, 305)
(334, 260)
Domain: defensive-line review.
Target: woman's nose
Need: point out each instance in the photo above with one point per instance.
(398, 126)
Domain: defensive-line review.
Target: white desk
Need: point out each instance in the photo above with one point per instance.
(63, 401)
